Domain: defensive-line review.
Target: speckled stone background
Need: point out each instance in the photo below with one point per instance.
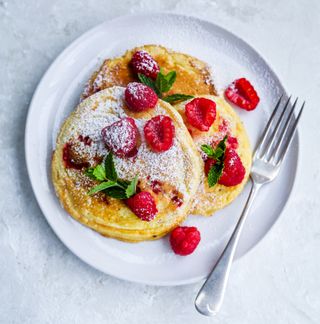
(42, 282)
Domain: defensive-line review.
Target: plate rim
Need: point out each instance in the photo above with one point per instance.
(32, 179)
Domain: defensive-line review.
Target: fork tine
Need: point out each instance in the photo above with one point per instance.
(290, 137)
(273, 136)
(276, 149)
(267, 128)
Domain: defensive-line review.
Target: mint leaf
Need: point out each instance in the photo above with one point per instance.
(215, 174)
(132, 187)
(123, 183)
(99, 172)
(116, 192)
(148, 82)
(96, 173)
(218, 155)
(176, 97)
(218, 152)
(89, 173)
(110, 170)
(114, 187)
(222, 144)
(161, 83)
(170, 78)
(165, 82)
(208, 150)
(102, 186)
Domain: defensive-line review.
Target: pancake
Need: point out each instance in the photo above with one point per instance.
(227, 122)
(193, 75)
(172, 177)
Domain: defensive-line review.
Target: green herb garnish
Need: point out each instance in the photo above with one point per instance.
(107, 175)
(163, 83)
(150, 83)
(176, 97)
(218, 155)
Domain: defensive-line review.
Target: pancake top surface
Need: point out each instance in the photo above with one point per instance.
(193, 75)
(227, 122)
(172, 177)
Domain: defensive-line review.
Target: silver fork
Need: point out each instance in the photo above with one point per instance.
(269, 154)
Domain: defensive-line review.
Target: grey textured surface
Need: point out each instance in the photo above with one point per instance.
(42, 282)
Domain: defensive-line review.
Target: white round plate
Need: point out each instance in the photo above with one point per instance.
(57, 95)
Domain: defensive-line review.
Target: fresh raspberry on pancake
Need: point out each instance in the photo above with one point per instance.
(184, 240)
(201, 113)
(72, 157)
(142, 62)
(140, 97)
(121, 137)
(242, 93)
(233, 172)
(232, 142)
(159, 133)
(224, 127)
(143, 206)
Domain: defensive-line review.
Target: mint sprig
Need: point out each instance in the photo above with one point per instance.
(132, 187)
(99, 173)
(176, 97)
(110, 170)
(116, 192)
(163, 83)
(215, 174)
(107, 175)
(218, 155)
(102, 186)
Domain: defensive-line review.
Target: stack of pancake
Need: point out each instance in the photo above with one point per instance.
(175, 178)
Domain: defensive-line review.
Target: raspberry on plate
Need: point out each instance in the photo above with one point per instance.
(121, 137)
(143, 62)
(184, 240)
(201, 113)
(140, 97)
(242, 93)
(159, 133)
(233, 171)
(143, 205)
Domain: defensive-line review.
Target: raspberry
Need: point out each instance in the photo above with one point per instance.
(72, 157)
(242, 93)
(85, 139)
(233, 171)
(184, 239)
(208, 165)
(159, 132)
(232, 142)
(224, 127)
(143, 62)
(201, 113)
(121, 137)
(143, 205)
(139, 97)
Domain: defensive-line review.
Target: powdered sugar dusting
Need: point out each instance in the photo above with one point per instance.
(100, 111)
(136, 90)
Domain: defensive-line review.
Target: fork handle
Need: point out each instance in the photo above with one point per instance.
(210, 297)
